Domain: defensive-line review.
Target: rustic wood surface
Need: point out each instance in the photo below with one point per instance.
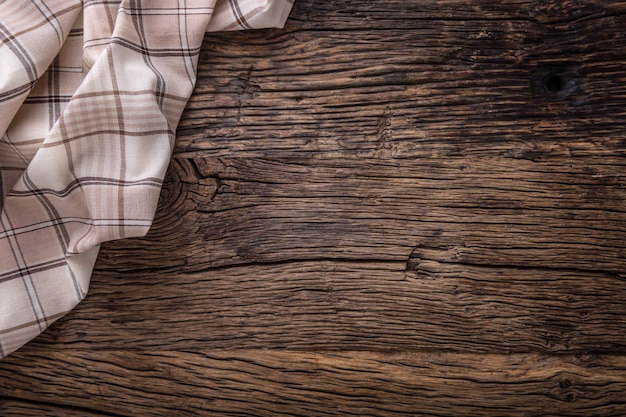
(385, 208)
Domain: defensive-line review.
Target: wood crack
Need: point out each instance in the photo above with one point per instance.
(414, 260)
(68, 409)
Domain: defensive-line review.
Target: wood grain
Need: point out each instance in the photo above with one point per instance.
(280, 383)
(408, 208)
(482, 255)
(334, 305)
(405, 81)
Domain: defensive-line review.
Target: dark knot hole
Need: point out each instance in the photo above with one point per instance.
(554, 83)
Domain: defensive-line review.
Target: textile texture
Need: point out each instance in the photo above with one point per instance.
(91, 93)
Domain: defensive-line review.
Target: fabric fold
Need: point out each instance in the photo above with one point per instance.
(29, 41)
(96, 173)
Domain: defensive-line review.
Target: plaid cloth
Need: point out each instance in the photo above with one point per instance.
(91, 93)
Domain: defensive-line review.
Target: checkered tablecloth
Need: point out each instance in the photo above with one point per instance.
(91, 93)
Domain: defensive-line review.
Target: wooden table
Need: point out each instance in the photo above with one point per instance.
(386, 208)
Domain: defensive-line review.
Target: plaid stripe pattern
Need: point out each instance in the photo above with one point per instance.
(91, 92)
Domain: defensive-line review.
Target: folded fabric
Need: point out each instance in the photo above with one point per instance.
(91, 93)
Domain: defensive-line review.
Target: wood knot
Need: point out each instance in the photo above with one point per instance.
(556, 82)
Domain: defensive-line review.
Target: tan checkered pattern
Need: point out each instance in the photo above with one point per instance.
(90, 95)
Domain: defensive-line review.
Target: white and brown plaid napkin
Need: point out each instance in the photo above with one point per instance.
(91, 93)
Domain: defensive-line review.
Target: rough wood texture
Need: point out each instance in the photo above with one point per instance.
(383, 209)
(283, 383)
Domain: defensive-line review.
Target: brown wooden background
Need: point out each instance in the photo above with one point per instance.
(386, 208)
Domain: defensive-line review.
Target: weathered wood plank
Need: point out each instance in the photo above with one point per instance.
(481, 254)
(275, 383)
(341, 305)
(394, 14)
(415, 84)
(562, 212)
